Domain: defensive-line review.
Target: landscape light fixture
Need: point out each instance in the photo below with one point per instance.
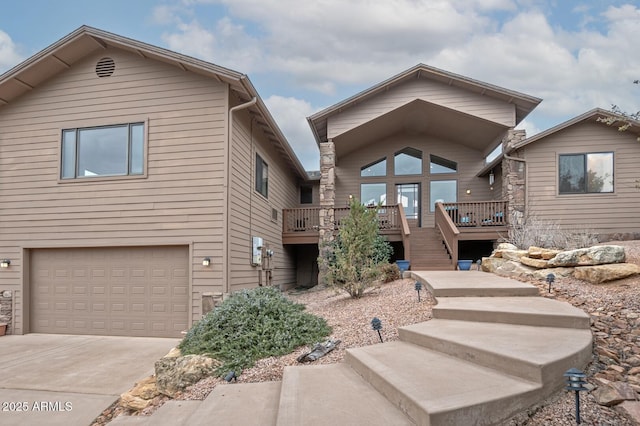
(231, 375)
(418, 288)
(550, 279)
(376, 324)
(206, 261)
(575, 382)
(4, 263)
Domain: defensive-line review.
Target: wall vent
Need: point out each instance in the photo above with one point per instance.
(105, 67)
(274, 214)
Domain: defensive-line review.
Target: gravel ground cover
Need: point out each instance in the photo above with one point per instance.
(614, 309)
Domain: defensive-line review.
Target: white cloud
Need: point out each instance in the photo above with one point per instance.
(9, 55)
(323, 47)
(290, 114)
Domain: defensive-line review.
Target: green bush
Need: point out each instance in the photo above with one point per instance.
(352, 259)
(250, 325)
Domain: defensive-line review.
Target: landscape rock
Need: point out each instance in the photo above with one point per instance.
(631, 409)
(614, 393)
(490, 264)
(506, 246)
(541, 274)
(174, 374)
(602, 273)
(542, 253)
(141, 395)
(596, 255)
(514, 255)
(535, 263)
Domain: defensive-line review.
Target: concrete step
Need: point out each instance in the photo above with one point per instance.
(472, 284)
(436, 389)
(333, 395)
(538, 354)
(239, 404)
(124, 420)
(536, 311)
(174, 412)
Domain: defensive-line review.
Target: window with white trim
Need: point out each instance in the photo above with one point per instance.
(103, 151)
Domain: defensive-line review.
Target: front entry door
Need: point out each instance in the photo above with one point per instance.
(408, 194)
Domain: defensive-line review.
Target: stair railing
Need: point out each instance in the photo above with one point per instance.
(449, 232)
(405, 232)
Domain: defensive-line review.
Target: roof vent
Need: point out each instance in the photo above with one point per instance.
(105, 67)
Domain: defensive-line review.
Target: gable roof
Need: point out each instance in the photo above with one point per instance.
(524, 103)
(592, 115)
(62, 54)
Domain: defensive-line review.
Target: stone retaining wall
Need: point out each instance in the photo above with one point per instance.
(6, 309)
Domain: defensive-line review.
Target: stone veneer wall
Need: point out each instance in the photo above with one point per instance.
(6, 309)
(327, 203)
(514, 178)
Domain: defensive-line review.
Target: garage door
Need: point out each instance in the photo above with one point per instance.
(132, 291)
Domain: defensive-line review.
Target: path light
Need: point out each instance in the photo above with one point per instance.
(376, 324)
(550, 279)
(231, 375)
(575, 382)
(418, 288)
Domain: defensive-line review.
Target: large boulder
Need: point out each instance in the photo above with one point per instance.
(141, 395)
(541, 274)
(514, 255)
(174, 374)
(596, 255)
(534, 263)
(542, 253)
(602, 273)
(491, 264)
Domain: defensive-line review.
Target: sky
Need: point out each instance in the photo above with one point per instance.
(305, 55)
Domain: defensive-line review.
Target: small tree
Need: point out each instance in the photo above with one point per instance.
(357, 251)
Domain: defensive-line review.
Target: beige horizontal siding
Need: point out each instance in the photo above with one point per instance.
(430, 91)
(602, 213)
(250, 212)
(179, 201)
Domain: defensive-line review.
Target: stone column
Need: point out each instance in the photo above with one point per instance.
(514, 178)
(327, 204)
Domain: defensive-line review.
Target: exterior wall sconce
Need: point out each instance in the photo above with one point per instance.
(492, 178)
(206, 261)
(4, 263)
(468, 192)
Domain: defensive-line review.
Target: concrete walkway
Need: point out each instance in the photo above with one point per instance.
(493, 349)
(50, 379)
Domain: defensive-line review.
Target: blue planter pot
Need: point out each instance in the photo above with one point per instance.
(464, 265)
(403, 265)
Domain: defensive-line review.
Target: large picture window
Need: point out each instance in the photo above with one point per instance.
(439, 165)
(586, 173)
(445, 191)
(407, 161)
(373, 193)
(103, 151)
(379, 168)
(262, 176)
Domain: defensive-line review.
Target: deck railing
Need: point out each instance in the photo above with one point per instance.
(477, 213)
(307, 219)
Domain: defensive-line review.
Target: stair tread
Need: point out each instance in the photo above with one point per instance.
(401, 371)
(531, 352)
(239, 404)
(472, 283)
(333, 394)
(525, 310)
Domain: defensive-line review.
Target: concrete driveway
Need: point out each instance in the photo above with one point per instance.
(69, 380)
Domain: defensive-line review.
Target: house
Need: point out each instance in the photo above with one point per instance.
(137, 184)
(423, 144)
(581, 175)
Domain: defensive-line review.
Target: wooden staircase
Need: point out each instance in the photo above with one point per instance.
(428, 252)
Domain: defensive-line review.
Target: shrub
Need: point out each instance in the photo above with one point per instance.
(390, 272)
(534, 231)
(250, 325)
(353, 258)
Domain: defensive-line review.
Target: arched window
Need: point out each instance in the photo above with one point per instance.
(442, 165)
(377, 168)
(407, 161)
